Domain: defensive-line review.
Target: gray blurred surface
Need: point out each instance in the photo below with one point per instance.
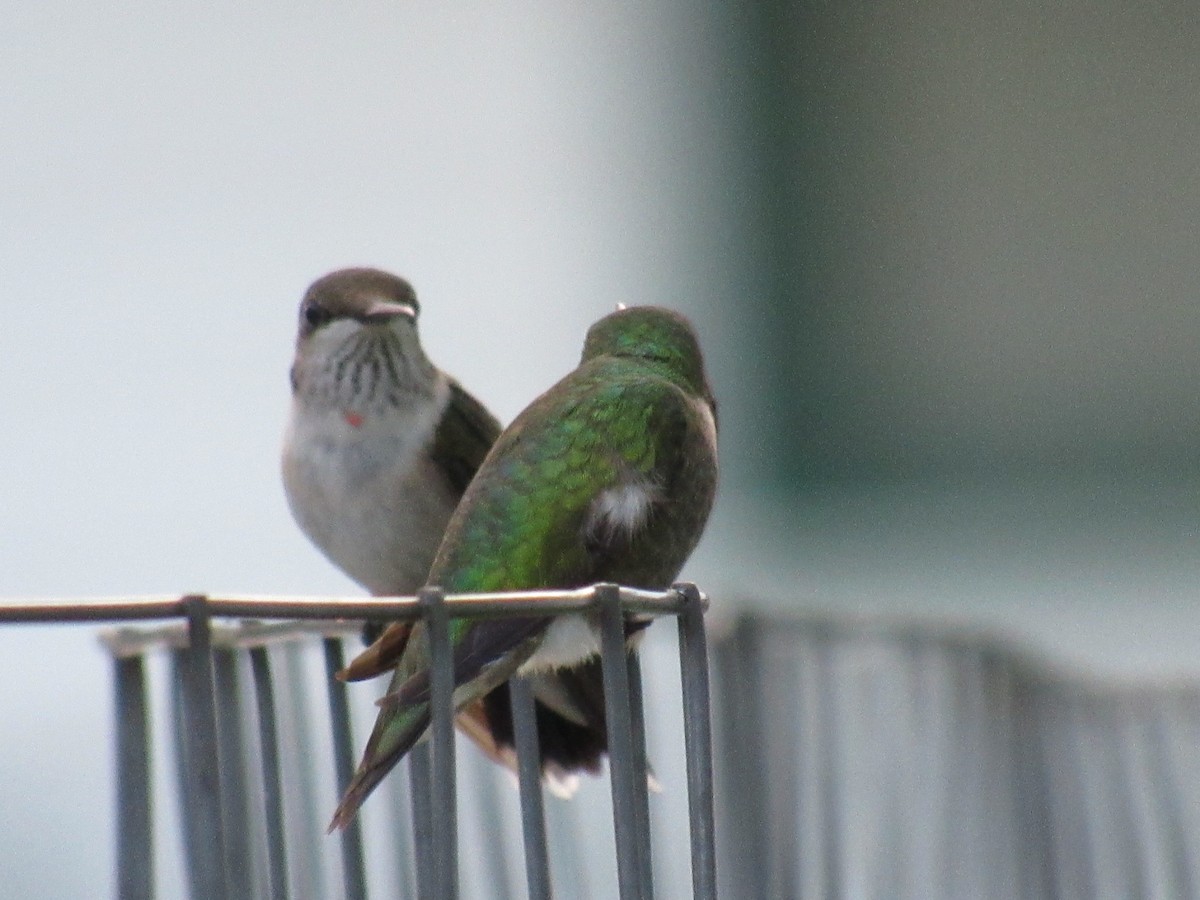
(876, 761)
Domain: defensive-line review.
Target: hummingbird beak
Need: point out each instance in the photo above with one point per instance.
(382, 310)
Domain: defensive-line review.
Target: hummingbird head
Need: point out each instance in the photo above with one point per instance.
(357, 340)
(659, 337)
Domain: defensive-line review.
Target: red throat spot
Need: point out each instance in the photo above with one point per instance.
(353, 419)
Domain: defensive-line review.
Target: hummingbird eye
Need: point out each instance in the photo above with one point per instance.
(314, 315)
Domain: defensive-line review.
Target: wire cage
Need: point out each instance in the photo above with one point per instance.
(855, 757)
(227, 659)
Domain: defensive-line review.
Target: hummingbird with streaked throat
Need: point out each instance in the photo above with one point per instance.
(380, 443)
(379, 447)
(609, 476)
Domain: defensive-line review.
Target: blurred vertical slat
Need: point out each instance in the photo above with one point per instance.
(743, 843)
(495, 855)
(697, 733)
(184, 781)
(402, 853)
(623, 767)
(354, 878)
(264, 692)
(305, 808)
(641, 797)
(533, 813)
(135, 826)
(231, 758)
(203, 809)
(420, 763)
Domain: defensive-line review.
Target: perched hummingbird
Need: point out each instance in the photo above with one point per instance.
(380, 446)
(380, 443)
(608, 476)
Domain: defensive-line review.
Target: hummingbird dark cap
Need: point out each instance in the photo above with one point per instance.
(357, 293)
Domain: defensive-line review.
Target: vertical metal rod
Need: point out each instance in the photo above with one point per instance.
(268, 739)
(420, 785)
(354, 878)
(441, 700)
(200, 734)
(235, 811)
(620, 741)
(697, 731)
(184, 783)
(641, 767)
(135, 831)
(529, 769)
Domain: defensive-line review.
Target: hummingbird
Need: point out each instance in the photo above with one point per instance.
(379, 447)
(608, 476)
(380, 443)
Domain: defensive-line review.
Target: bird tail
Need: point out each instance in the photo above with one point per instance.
(383, 654)
(396, 731)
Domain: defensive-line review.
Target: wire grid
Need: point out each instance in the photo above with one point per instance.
(222, 835)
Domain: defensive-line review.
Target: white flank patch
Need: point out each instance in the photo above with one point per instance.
(621, 509)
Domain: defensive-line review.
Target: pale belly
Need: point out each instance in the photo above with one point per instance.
(369, 499)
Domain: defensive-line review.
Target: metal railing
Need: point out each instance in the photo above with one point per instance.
(219, 827)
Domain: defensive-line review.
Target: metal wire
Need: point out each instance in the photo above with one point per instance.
(697, 733)
(442, 792)
(498, 605)
(268, 739)
(533, 812)
(354, 871)
(207, 844)
(135, 832)
(219, 847)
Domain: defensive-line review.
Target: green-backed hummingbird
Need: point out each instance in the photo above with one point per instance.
(380, 446)
(608, 476)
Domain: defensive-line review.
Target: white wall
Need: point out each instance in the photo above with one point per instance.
(171, 179)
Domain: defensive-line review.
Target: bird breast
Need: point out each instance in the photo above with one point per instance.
(369, 496)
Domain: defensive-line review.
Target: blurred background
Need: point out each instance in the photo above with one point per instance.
(942, 259)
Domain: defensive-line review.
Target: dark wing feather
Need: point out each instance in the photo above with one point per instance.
(463, 438)
(471, 657)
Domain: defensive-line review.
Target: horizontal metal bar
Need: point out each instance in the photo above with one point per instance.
(498, 605)
(91, 609)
